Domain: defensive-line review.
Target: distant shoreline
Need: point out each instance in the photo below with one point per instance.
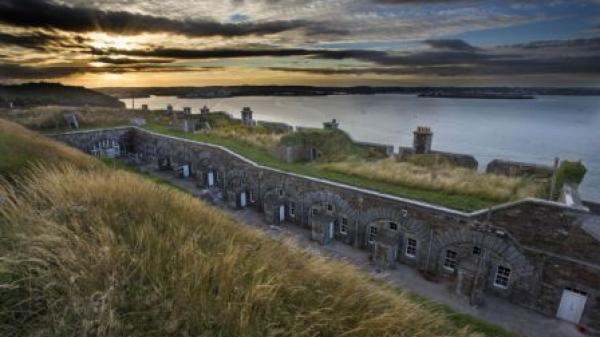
(476, 96)
(291, 91)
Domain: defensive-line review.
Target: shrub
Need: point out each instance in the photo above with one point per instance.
(569, 172)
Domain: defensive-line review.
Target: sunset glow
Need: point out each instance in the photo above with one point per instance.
(338, 42)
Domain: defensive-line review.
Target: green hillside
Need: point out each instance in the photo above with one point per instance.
(96, 251)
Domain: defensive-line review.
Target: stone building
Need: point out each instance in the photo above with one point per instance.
(519, 169)
(422, 144)
(422, 140)
(333, 125)
(247, 118)
(538, 254)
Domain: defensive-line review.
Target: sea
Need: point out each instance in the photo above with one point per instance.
(527, 130)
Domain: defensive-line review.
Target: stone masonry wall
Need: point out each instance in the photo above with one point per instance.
(541, 242)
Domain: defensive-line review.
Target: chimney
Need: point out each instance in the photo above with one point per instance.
(422, 140)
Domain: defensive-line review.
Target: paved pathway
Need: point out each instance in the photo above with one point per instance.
(495, 310)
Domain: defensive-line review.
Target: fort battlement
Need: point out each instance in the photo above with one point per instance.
(531, 252)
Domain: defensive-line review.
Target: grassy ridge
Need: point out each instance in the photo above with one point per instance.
(263, 157)
(440, 177)
(20, 147)
(258, 144)
(109, 253)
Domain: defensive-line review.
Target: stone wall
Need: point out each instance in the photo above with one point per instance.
(541, 243)
(518, 169)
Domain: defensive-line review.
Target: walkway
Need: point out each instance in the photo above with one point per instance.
(498, 311)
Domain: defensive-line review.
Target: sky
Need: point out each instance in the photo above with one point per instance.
(101, 43)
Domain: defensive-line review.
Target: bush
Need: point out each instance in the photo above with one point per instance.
(569, 172)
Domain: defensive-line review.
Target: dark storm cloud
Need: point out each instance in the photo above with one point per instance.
(47, 14)
(16, 71)
(413, 2)
(373, 56)
(589, 44)
(566, 65)
(41, 40)
(122, 61)
(451, 44)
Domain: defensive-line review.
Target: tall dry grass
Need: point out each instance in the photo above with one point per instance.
(440, 177)
(107, 253)
(20, 147)
(52, 117)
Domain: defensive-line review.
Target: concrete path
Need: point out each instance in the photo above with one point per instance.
(498, 311)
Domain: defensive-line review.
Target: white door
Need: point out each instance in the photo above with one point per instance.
(571, 306)
(281, 213)
(185, 171)
(331, 230)
(243, 199)
(211, 179)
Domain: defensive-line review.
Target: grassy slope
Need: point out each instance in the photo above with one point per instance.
(106, 252)
(20, 147)
(263, 157)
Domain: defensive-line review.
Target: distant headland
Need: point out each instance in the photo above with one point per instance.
(450, 92)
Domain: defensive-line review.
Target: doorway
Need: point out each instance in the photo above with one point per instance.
(281, 213)
(243, 201)
(571, 305)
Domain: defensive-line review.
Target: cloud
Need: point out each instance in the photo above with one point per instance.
(451, 44)
(16, 71)
(590, 44)
(416, 2)
(372, 56)
(50, 15)
(123, 61)
(41, 40)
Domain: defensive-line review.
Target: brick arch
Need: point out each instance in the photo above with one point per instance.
(407, 225)
(505, 248)
(342, 206)
(271, 189)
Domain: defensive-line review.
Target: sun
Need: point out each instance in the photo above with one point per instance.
(106, 41)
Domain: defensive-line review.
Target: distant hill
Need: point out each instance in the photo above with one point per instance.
(249, 90)
(36, 94)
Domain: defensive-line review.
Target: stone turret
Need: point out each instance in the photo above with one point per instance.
(187, 110)
(204, 110)
(169, 109)
(422, 140)
(333, 125)
(247, 117)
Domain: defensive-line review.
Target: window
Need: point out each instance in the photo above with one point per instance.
(476, 250)
(329, 207)
(314, 211)
(292, 209)
(450, 260)
(372, 234)
(281, 192)
(411, 247)
(251, 196)
(393, 226)
(344, 226)
(502, 277)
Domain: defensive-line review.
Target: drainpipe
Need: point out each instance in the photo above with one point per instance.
(429, 249)
(357, 221)
(553, 183)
